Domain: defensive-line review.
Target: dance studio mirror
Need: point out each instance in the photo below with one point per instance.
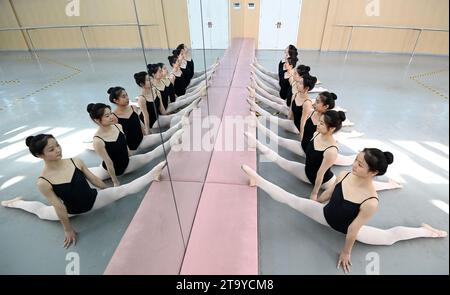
(76, 70)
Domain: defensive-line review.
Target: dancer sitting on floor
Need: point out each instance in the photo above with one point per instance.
(110, 144)
(64, 182)
(321, 153)
(352, 201)
(153, 113)
(133, 128)
(164, 92)
(325, 101)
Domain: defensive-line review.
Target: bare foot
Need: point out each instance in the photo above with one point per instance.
(10, 203)
(251, 174)
(435, 232)
(157, 170)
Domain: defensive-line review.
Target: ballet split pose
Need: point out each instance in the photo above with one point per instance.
(320, 154)
(348, 205)
(152, 108)
(128, 117)
(325, 101)
(110, 144)
(64, 182)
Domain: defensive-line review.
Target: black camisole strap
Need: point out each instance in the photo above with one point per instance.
(49, 180)
(306, 101)
(369, 199)
(345, 177)
(73, 163)
(315, 136)
(46, 179)
(102, 138)
(310, 116)
(331, 147)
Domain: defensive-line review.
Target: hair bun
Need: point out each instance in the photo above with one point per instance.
(389, 157)
(342, 116)
(110, 90)
(333, 96)
(89, 107)
(29, 140)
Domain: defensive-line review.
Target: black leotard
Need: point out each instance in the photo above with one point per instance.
(297, 111)
(281, 72)
(308, 132)
(340, 213)
(180, 85)
(190, 66)
(284, 90)
(153, 115)
(164, 95)
(132, 129)
(289, 96)
(77, 195)
(314, 159)
(118, 152)
(170, 90)
(186, 75)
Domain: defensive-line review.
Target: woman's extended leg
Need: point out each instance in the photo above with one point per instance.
(257, 81)
(265, 71)
(294, 168)
(112, 194)
(286, 124)
(291, 145)
(310, 208)
(39, 209)
(386, 237)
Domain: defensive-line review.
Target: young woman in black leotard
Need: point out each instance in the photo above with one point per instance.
(165, 92)
(325, 101)
(278, 103)
(176, 76)
(296, 116)
(320, 155)
(111, 145)
(301, 105)
(64, 182)
(352, 202)
(185, 72)
(187, 62)
(274, 79)
(128, 116)
(153, 113)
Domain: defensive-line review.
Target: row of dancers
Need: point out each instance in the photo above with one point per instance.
(122, 140)
(348, 200)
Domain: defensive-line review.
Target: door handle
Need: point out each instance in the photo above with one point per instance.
(210, 24)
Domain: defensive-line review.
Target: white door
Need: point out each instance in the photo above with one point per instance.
(215, 34)
(279, 23)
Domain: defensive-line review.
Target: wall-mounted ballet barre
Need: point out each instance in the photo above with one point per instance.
(81, 27)
(420, 30)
